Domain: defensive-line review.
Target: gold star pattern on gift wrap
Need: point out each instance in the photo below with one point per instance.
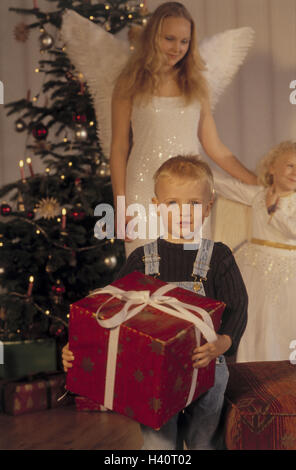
(87, 364)
(157, 347)
(178, 384)
(17, 404)
(147, 315)
(129, 412)
(139, 376)
(120, 285)
(28, 387)
(288, 441)
(146, 281)
(155, 404)
(48, 208)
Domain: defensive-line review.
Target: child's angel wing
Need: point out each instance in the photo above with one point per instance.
(223, 54)
(100, 57)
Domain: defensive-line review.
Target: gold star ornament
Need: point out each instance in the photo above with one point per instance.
(48, 208)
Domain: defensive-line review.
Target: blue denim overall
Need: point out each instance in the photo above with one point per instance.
(198, 424)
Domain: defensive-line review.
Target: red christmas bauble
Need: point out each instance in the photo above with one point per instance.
(78, 117)
(40, 131)
(5, 210)
(30, 215)
(57, 330)
(58, 289)
(77, 214)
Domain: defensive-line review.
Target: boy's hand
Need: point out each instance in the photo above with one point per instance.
(67, 357)
(203, 355)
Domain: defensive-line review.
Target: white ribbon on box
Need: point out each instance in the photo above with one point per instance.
(162, 302)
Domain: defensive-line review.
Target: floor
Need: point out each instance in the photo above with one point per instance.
(65, 428)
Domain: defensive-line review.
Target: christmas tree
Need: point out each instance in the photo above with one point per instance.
(49, 255)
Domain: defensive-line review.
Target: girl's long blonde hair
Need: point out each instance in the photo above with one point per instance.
(264, 176)
(140, 77)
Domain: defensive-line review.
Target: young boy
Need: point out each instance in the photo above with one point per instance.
(179, 181)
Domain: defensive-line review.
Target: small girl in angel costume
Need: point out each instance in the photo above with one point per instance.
(268, 261)
(163, 94)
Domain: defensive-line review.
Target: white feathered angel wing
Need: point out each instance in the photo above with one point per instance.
(100, 57)
(223, 54)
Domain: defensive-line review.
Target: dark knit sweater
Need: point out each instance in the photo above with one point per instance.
(224, 281)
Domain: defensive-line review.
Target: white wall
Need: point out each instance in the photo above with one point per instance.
(255, 112)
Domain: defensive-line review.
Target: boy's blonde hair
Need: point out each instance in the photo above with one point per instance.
(186, 168)
(264, 176)
(140, 77)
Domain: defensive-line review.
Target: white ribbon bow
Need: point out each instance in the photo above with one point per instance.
(141, 299)
(158, 300)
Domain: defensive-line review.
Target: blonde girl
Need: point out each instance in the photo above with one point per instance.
(268, 261)
(161, 108)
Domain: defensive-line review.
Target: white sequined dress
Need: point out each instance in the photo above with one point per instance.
(269, 273)
(162, 128)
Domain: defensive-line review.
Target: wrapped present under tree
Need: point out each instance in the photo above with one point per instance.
(35, 393)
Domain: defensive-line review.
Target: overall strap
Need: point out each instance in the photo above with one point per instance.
(203, 258)
(151, 258)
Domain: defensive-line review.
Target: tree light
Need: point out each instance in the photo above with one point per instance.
(64, 218)
(29, 162)
(21, 164)
(30, 287)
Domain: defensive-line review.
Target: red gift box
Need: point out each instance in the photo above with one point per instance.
(86, 404)
(34, 394)
(153, 377)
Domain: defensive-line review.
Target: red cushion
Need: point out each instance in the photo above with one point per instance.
(261, 406)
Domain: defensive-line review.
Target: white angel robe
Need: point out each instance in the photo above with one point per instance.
(268, 266)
